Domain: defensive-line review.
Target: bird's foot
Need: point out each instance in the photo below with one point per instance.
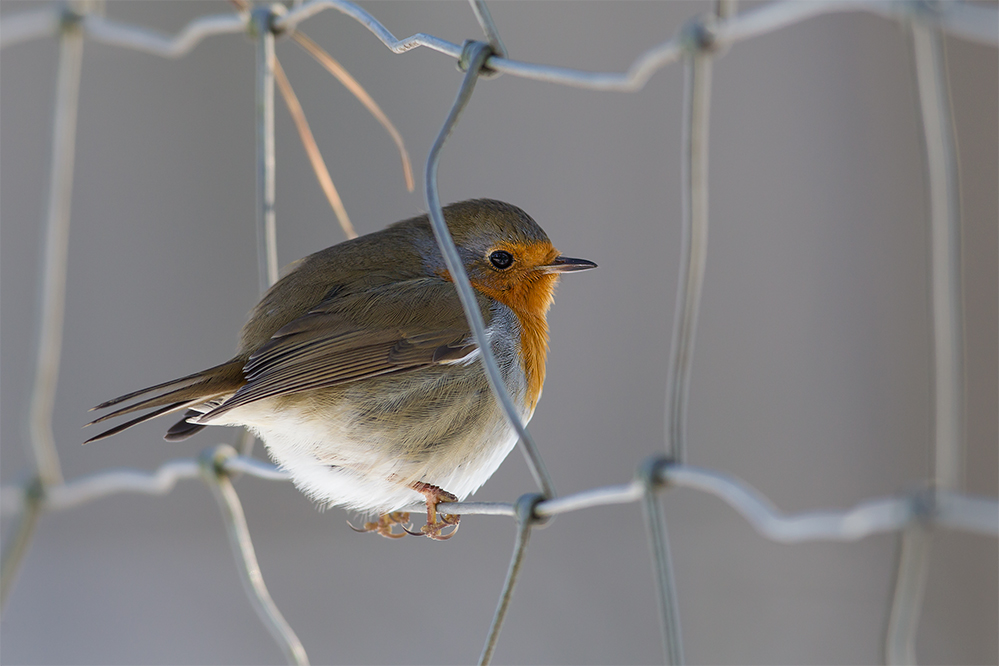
(385, 524)
(435, 527)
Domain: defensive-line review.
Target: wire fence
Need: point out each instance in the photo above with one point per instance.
(939, 504)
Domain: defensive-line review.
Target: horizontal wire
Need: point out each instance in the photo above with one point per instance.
(624, 494)
(313, 7)
(25, 26)
(115, 33)
(883, 514)
(967, 513)
(160, 482)
(971, 22)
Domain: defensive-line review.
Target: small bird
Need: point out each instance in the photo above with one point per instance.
(361, 376)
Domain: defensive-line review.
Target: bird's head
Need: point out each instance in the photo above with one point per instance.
(508, 257)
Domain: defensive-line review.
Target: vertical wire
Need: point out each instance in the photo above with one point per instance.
(266, 224)
(655, 525)
(907, 596)
(242, 546)
(52, 307)
(477, 53)
(53, 293)
(16, 547)
(945, 262)
(697, 95)
(485, 20)
(948, 335)
(694, 247)
(267, 263)
(267, 271)
(525, 524)
(725, 9)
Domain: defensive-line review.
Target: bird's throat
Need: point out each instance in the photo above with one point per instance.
(530, 299)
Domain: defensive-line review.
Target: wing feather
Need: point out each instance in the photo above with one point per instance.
(388, 329)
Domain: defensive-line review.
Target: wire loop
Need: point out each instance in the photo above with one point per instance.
(652, 473)
(469, 49)
(526, 509)
(699, 35)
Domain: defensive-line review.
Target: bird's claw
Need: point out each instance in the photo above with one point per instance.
(435, 529)
(385, 524)
(436, 524)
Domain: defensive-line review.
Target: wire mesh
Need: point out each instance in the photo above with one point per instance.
(697, 44)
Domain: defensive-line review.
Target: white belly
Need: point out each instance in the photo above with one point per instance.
(368, 460)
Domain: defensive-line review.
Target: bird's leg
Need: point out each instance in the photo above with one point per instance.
(434, 527)
(385, 524)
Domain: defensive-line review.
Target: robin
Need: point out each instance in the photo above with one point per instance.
(358, 370)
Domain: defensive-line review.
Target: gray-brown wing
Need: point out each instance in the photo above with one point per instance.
(390, 329)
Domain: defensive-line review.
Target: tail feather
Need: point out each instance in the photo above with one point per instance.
(136, 421)
(191, 390)
(181, 430)
(197, 376)
(196, 392)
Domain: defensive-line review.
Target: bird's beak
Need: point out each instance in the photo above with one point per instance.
(569, 265)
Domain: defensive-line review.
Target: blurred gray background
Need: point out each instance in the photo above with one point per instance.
(811, 371)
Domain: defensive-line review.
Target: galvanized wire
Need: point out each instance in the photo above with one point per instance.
(963, 20)
(52, 301)
(215, 474)
(912, 568)
(655, 527)
(945, 256)
(693, 245)
(16, 547)
(526, 520)
(472, 59)
(976, 515)
(913, 514)
(948, 333)
(267, 267)
(485, 20)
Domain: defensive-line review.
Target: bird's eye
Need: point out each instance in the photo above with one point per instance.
(501, 259)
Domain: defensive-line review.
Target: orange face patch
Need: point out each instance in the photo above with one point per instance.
(529, 290)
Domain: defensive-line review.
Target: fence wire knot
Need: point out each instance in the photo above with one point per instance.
(34, 491)
(699, 35)
(526, 510)
(469, 49)
(69, 19)
(924, 506)
(267, 16)
(652, 472)
(213, 461)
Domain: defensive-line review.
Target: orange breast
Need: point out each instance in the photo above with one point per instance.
(534, 351)
(529, 297)
(528, 290)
